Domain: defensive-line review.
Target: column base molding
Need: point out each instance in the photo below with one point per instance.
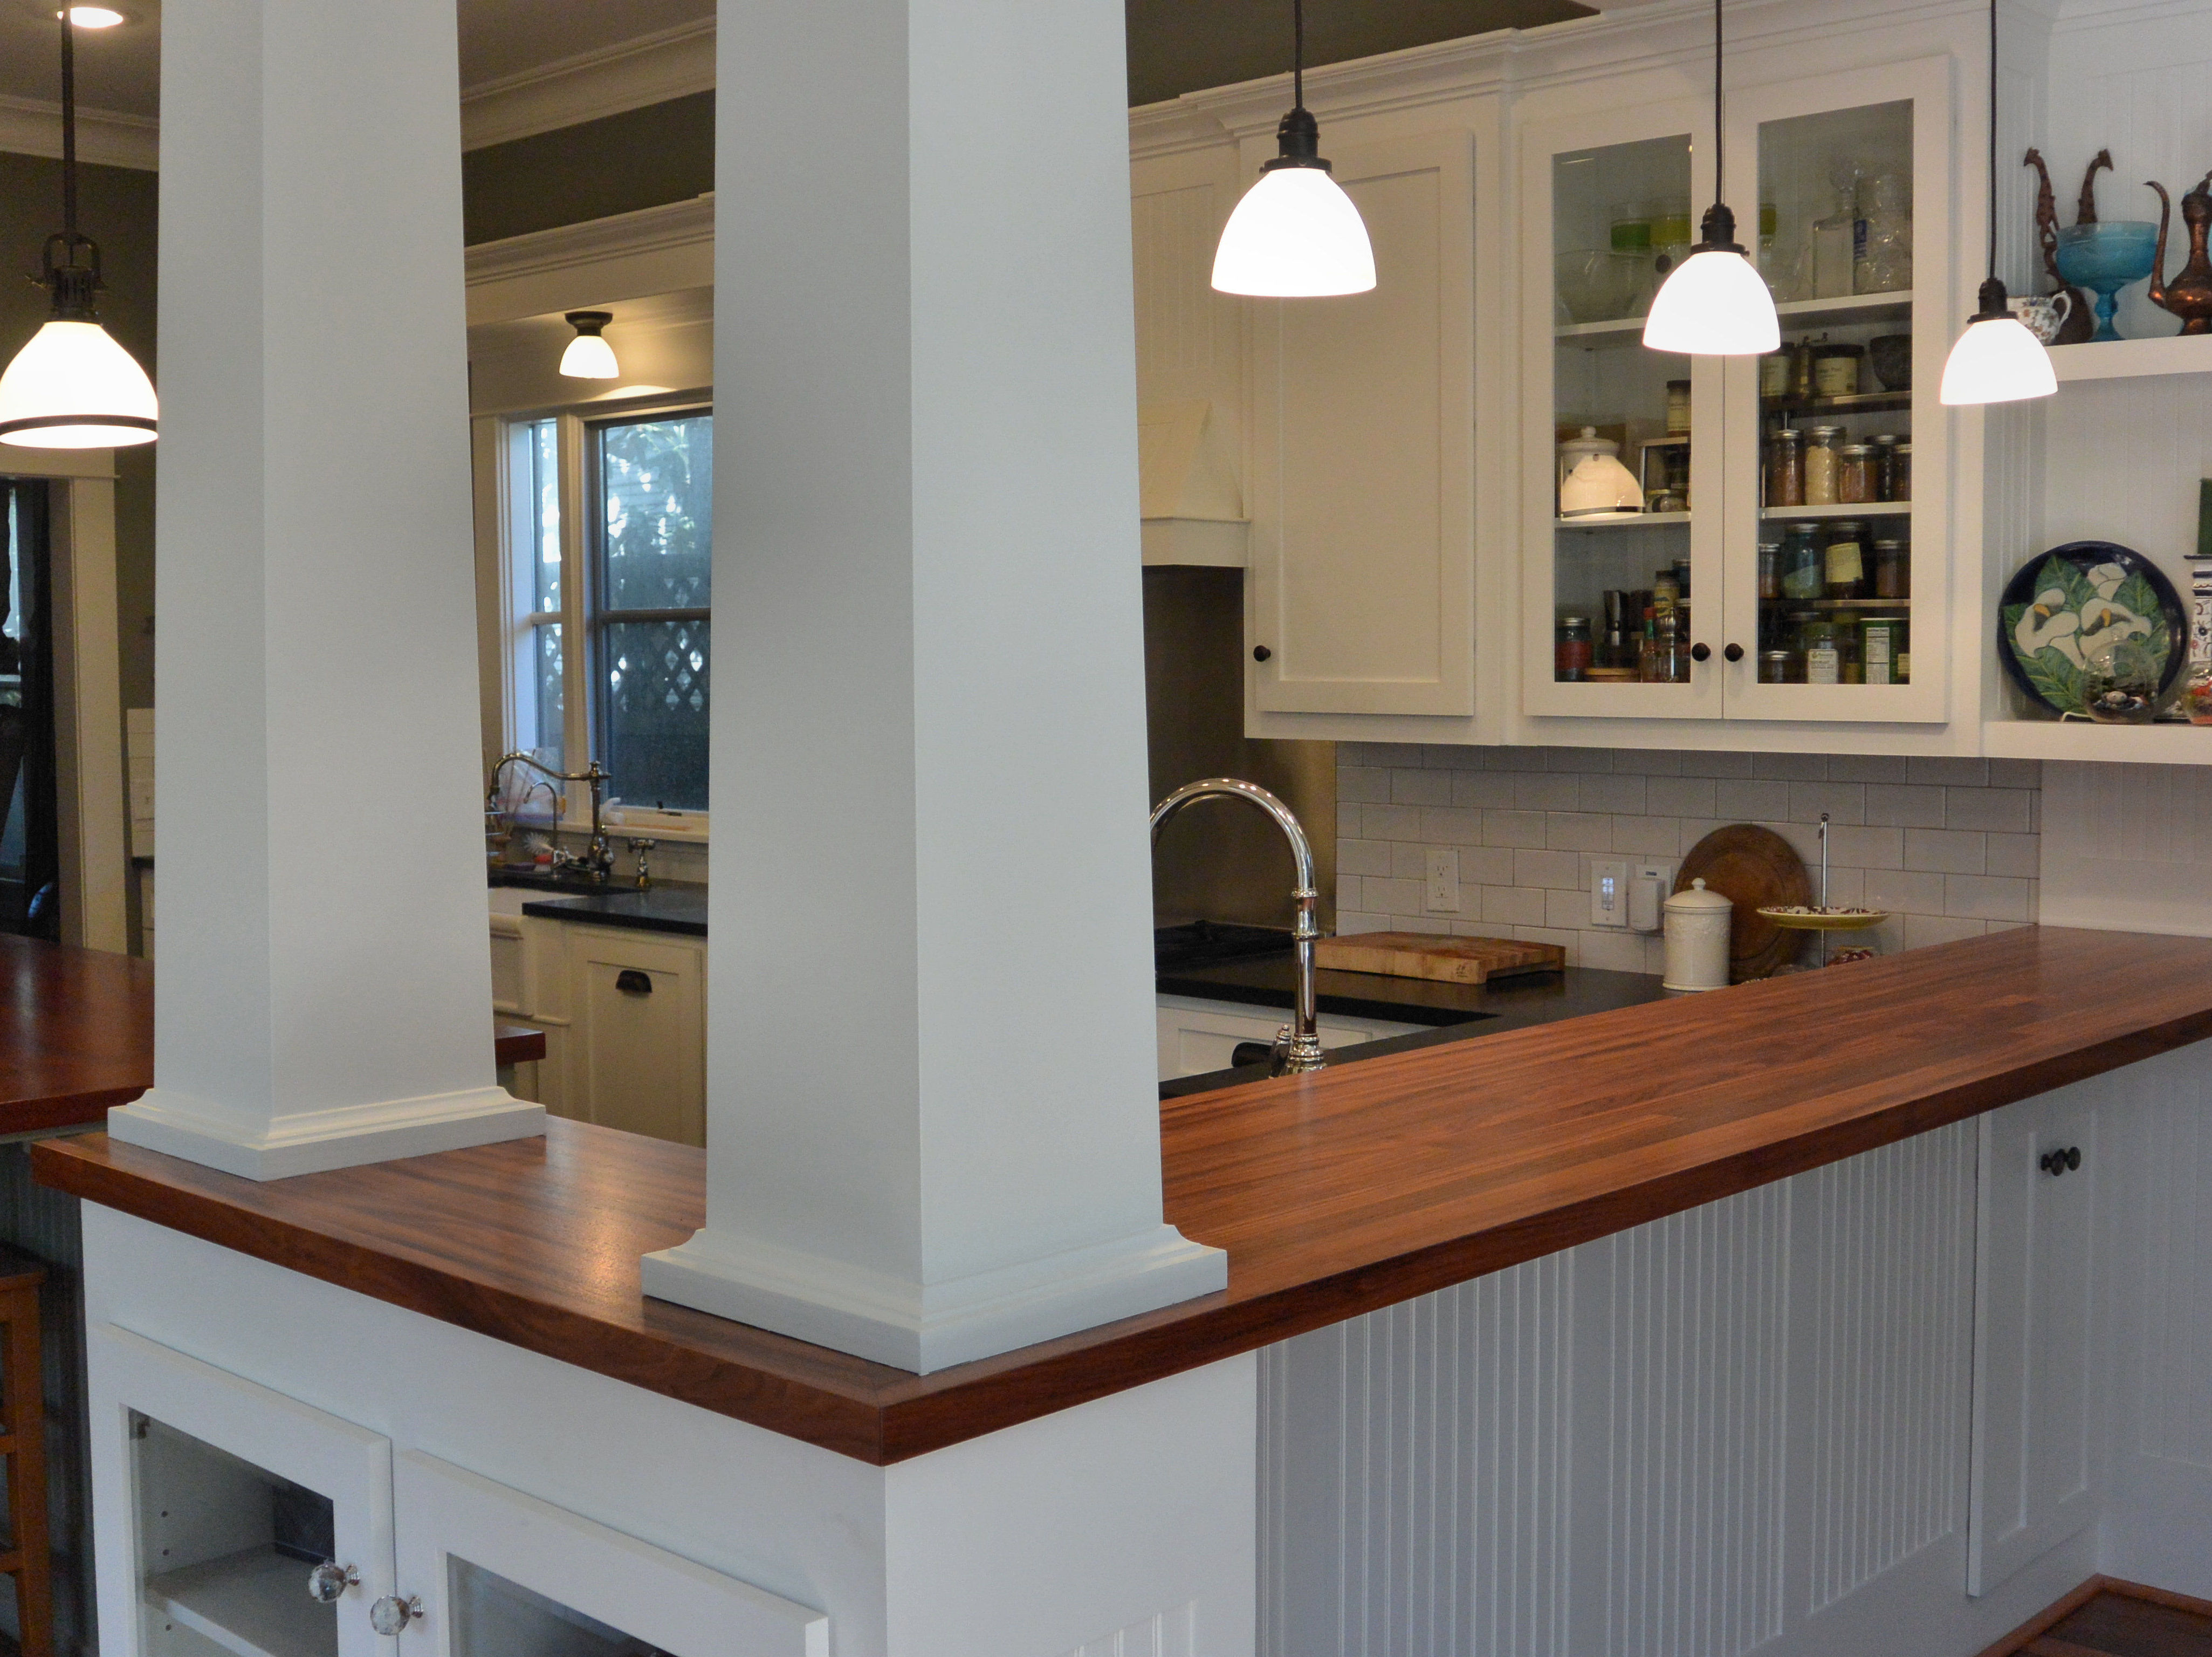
(257, 1147)
(930, 1327)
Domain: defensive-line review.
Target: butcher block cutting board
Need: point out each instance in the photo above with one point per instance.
(1429, 955)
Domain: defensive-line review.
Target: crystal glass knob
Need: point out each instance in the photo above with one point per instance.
(327, 1581)
(392, 1614)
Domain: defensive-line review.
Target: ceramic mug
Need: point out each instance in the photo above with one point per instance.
(2042, 317)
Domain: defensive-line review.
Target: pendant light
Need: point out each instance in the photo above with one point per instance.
(589, 356)
(1996, 360)
(1715, 303)
(1296, 235)
(73, 387)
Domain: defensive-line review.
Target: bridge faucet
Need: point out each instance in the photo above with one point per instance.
(1298, 1045)
(598, 861)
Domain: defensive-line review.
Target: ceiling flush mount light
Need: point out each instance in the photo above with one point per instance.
(91, 16)
(72, 387)
(1996, 360)
(1715, 303)
(589, 356)
(1296, 235)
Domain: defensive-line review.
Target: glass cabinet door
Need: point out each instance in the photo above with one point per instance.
(1836, 566)
(1623, 441)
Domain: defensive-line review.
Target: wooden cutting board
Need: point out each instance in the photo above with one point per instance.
(1754, 869)
(1429, 955)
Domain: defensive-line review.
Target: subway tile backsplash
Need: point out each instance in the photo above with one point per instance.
(1950, 847)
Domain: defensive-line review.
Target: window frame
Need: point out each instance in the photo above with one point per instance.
(512, 638)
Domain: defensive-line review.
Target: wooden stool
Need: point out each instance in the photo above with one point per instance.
(23, 1442)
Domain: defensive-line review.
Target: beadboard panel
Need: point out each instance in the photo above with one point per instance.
(1740, 1426)
(1167, 1633)
(1177, 312)
(1891, 1286)
(2175, 1424)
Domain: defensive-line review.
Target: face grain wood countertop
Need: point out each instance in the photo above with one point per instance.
(1334, 1193)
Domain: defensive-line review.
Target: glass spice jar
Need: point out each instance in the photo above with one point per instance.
(1884, 457)
(1855, 474)
(1893, 569)
(1774, 667)
(1822, 460)
(1785, 467)
(1774, 373)
(1844, 560)
(1571, 656)
(1901, 466)
(1836, 369)
(1850, 665)
(1770, 569)
(1824, 663)
(1803, 575)
(1678, 408)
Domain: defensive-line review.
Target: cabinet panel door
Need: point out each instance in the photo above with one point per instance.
(637, 1040)
(217, 1497)
(2033, 1483)
(499, 1573)
(1362, 547)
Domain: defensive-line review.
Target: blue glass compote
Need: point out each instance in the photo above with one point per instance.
(2104, 258)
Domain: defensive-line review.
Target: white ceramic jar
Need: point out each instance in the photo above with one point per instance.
(1698, 923)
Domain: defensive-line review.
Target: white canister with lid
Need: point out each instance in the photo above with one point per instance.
(1697, 923)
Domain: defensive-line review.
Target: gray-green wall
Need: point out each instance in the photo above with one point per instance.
(640, 158)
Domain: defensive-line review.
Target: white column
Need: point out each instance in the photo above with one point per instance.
(323, 983)
(933, 1128)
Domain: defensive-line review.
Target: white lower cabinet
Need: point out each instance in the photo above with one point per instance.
(1198, 1036)
(2034, 1480)
(259, 1526)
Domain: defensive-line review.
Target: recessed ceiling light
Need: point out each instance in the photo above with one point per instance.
(93, 16)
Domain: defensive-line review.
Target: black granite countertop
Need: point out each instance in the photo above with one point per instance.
(679, 909)
(1458, 1012)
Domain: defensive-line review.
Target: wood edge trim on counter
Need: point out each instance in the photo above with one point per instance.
(2021, 1638)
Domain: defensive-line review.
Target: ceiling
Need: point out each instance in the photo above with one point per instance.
(1175, 45)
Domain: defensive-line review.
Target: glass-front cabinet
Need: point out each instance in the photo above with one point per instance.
(1739, 538)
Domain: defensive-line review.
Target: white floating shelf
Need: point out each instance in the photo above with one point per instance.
(1613, 330)
(2132, 359)
(1624, 521)
(1848, 309)
(2077, 739)
(1856, 509)
(253, 1603)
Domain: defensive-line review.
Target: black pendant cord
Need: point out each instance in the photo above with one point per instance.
(1993, 139)
(68, 125)
(1298, 54)
(1720, 144)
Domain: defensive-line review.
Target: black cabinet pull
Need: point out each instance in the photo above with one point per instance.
(1733, 653)
(631, 982)
(1701, 652)
(2055, 1163)
(1260, 653)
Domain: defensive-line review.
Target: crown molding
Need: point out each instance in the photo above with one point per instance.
(673, 62)
(655, 250)
(104, 138)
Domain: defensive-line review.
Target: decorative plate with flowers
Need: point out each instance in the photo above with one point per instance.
(2086, 614)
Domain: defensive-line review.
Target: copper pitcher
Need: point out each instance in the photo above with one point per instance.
(2189, 296)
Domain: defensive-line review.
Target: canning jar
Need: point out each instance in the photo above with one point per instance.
(1855, 478)
(1678, 408)
(1570, 650)
(1785, 467)
(1804, 573)
(1770, 569)
(1901, 487)
(1836, 369)
(1893, 569)
(1821, 465)
(1844, 560)
(1885, 459)
(1774, 667)
(1774, 373)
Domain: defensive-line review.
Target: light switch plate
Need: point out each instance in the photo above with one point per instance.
(1650, 883)
(1442, 894)
(1609, 892)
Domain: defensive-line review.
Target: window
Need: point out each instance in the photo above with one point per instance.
(607, 547)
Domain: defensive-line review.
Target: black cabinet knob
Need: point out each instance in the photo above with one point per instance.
(1701, 652)
(1260, 653)
(2055, 1163)
(1733, 653)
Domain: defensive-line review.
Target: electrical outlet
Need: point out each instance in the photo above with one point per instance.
(1650, 884)
(1443, 895)
(1609, 892)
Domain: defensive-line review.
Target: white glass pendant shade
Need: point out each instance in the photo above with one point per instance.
(1714, 303)
(1294, 236)
(1998, 360)
(74, 387)
(589, 357)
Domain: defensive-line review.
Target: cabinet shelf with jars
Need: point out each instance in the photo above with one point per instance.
(1795, 589)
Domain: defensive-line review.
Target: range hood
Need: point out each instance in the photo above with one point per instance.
(1192, 509)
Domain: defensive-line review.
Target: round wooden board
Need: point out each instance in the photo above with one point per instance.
(1754, 869)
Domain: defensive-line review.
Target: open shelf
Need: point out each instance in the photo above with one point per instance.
(1852, 605)
(1615, 330)
(2130, 359)
(2081, 739)
(253, 1603)
(1624, 521)
(1855, 509)
(1865, 402)
(1846, 309)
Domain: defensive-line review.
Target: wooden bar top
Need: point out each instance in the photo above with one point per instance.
(1334, 1193)
(76, 1033)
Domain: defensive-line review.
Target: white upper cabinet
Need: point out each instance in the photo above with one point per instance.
(1361, 592)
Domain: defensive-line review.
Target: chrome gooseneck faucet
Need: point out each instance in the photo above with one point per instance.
(598, 860)
(1298, 1045)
